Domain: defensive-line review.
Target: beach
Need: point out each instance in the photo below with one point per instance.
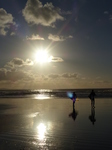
(49, 124)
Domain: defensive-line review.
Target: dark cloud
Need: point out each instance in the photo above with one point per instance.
(65, 75)
(68, 75)
(17, 78)
(53, 76)
(56, 59)
(18, 62)
(29, 62)
(9, 75)
(37, 13)
(5, 20)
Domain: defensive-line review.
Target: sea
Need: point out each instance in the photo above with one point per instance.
(59, 93)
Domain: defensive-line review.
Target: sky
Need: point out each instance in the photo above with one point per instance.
(55, 44)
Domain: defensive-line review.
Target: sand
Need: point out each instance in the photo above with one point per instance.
(32, 124)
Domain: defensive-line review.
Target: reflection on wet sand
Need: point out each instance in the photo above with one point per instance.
(41, 131)
(35, 124)
(92, 116)
(73, 114)
(39, 128)
(42, 96)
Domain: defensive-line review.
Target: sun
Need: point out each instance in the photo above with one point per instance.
(41, 56)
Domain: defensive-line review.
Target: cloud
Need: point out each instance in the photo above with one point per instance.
(12, 33)
(37, 13)
(70, 75)
(8, 75)
(106, 12)
(22, 78)
(65, 75)
(18, 62)
(35, 37)
(5, 20)
(56, 59)
(53, 76)
(58, 38)
(70, 36)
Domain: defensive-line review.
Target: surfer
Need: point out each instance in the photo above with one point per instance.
(74, 99)
(92, 97)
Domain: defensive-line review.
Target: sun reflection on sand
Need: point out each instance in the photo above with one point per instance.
(42, 96)
(41, 128)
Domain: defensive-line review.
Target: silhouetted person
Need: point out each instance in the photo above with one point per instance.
(73, 114)
(74, 99)
(92, 116)
(92, 97)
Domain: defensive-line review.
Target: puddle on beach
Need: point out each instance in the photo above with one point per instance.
(31, 124)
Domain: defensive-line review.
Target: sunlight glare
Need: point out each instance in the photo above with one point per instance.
(42, 56)
(42, 96)
(41, 131)
(50, 58)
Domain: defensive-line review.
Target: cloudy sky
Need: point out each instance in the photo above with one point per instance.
(55, 44)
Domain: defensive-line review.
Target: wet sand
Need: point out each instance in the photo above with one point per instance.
(51, 124)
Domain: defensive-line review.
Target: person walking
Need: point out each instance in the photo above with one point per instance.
(92, 97)
(74, 99)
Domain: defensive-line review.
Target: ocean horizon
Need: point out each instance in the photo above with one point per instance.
(62, 93)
